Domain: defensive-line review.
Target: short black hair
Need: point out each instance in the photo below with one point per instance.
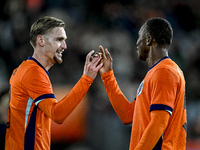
(161, 30)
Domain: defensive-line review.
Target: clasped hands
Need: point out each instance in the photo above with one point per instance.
(97, 62)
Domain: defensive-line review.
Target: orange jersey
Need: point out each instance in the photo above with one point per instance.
(163, 88)
(33, 103)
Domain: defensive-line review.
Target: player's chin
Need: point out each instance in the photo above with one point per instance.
(58, 60)
(142, 58)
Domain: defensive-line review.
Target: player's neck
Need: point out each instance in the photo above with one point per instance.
(155, 55)
(43, 61)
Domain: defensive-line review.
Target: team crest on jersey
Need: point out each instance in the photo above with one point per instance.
(139, 90)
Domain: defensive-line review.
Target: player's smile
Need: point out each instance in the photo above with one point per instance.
(55, 44)
(58, 55)
(59, 52)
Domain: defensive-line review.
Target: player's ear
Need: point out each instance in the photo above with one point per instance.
(40, 40)
(149, 39)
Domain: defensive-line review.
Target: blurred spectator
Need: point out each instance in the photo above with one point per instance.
(4, 100)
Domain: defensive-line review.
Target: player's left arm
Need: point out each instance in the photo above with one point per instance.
(154, 131)
(164, 85)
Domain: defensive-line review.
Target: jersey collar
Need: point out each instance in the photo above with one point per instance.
(158, 62)
(31, 58)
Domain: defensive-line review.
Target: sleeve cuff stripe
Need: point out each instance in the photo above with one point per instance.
(161, 107)
(38, 99)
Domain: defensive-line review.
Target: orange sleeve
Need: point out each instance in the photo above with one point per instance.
(59, 111)
(154, 131)
(164, 87)
(35, 83)
(121, 105)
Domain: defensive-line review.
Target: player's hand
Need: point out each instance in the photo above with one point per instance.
(92, 65)
(106, 59)
(95, 54)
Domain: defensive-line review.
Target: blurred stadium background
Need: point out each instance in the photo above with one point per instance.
(113, 24)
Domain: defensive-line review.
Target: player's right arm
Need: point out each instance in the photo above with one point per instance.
(39, 88)
(59, 111)
(121, 105)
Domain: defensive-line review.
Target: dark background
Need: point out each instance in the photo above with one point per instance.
(113, 24)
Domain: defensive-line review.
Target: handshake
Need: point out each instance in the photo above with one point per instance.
(95, 54)
(97, 62)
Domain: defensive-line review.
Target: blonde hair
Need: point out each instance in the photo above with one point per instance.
(42, 26)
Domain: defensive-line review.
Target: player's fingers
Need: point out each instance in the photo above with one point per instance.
(99, 65)
(109, 57)
(102, 51)
(96, 61)
(89, 55)
(95, 54)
